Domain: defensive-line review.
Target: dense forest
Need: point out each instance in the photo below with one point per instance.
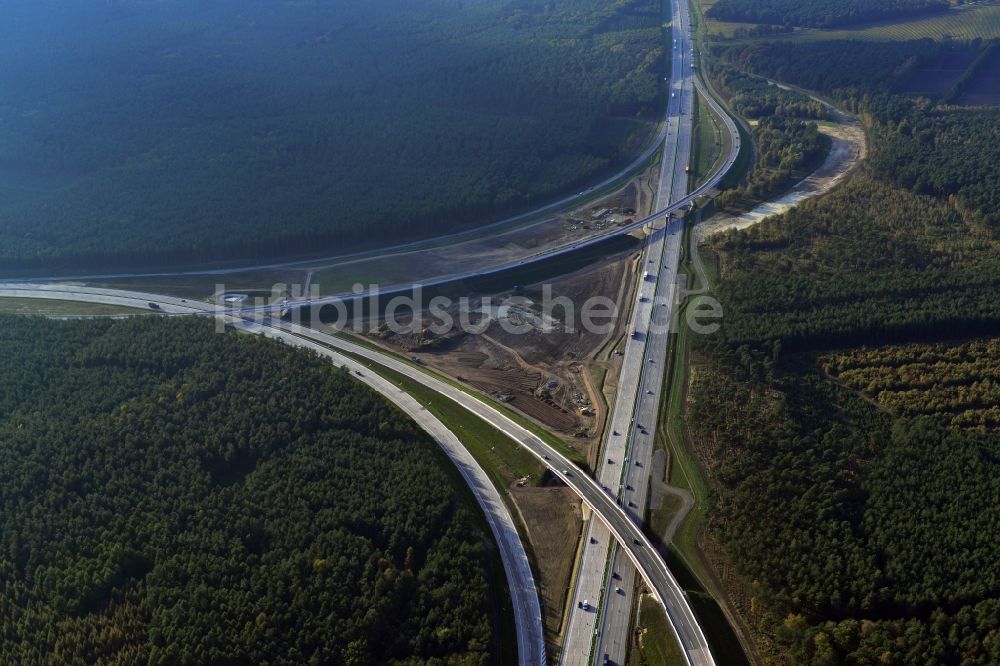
(820, 13)
(176, 496)
(924, 147)
(786, 144)
(957, 382)
(753, 97)
(155, 133)
(846, 410)
(785, 148)
(867, 541)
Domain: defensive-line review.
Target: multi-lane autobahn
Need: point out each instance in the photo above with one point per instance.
(598, 630)
(618, 519)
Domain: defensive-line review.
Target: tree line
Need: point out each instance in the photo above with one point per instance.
(861, 527)
(785, 145)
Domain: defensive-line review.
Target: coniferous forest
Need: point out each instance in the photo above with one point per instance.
(178, 132)
(846, 410)
(175, 496)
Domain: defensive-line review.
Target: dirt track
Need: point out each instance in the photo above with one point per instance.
(848, 147)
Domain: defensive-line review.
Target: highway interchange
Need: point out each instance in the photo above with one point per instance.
(620, 509)
(636, 546)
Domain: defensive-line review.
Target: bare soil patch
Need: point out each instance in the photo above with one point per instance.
(549, 368)
(553, 519)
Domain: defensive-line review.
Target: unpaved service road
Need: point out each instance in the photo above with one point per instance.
(848, 147)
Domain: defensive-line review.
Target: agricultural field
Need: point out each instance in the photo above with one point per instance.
(960, 23)
(958, 382)
(52, 307)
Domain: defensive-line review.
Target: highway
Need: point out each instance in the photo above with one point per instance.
(634, 543)
(677, 207)
(642, 371)
(606, 577)
(546, 255)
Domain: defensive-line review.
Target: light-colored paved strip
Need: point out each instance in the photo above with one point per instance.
(628, 447)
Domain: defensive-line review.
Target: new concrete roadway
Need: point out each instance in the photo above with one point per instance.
(606, 577)
(479, 272)
(677, 207)
(634, 543)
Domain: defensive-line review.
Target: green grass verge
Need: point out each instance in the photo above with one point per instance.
(502, 458)
(520, 419)
(48, 306)
(659, 518)
(658, 646)
(684, 472)
(707, 147)
(744, 161)
(725, 645)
